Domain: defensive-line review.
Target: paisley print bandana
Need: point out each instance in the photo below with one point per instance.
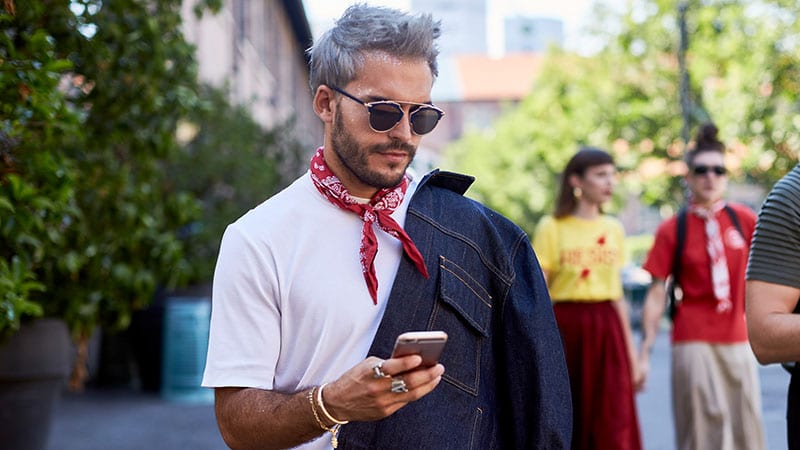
(377, 211)
(716, 253)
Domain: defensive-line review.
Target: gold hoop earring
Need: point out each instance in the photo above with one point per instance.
(577, 192)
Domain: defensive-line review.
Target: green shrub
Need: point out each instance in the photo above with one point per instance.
(230, 164)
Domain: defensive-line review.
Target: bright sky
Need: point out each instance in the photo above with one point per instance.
(573, 13)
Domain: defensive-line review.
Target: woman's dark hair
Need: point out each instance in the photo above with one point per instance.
(706, 141)
(585, 158)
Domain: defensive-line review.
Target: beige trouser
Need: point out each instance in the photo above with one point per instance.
(716, 397)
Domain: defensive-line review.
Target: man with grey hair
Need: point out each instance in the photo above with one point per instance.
(313, 286)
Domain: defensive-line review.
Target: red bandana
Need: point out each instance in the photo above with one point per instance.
(378, 210)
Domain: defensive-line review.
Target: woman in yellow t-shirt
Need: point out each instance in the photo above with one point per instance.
(581, 252)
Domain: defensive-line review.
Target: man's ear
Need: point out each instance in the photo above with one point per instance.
(324, 104)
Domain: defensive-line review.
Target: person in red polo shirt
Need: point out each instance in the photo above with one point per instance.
(716, 400)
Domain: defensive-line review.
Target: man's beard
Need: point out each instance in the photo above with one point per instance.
(355, 157)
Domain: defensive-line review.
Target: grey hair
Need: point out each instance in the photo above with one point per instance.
(338, 55)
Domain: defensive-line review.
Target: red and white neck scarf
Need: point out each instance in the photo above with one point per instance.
(377, 211)
(716, 253)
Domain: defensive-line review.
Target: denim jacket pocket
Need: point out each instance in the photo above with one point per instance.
(464, 312)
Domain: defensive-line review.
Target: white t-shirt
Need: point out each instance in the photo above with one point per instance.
(291, 308)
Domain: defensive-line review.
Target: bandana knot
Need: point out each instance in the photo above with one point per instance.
(378, 211)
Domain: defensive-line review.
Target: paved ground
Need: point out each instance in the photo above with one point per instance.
(126, 419)
(655, 403)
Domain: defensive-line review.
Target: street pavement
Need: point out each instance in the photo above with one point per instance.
(655, 402)
(129, 419)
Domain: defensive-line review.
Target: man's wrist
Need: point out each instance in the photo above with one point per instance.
(318, 409)
(311, 396)
(324, 410)
(646, 346)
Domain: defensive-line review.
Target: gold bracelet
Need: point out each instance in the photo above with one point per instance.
(325, 411)
(334, 430)
(314, 409)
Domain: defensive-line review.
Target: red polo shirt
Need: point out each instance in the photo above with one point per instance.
(696, 318)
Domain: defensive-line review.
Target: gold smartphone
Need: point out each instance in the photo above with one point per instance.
(428, 344)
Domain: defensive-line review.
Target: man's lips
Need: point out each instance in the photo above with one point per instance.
(393, 154)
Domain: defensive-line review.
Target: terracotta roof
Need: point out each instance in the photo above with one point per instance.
(483, 78)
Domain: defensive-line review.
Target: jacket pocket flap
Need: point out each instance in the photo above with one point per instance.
(466, 295)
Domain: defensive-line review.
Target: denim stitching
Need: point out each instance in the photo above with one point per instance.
(468, 283)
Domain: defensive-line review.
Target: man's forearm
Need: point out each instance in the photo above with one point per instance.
(251, 418)
(780, 340)
(654, 305)
(773, 330)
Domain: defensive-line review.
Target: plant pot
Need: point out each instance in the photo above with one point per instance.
(34, 365)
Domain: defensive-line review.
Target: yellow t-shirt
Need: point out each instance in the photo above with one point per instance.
(582, 258)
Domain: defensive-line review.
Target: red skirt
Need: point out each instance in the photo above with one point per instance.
(603, 403)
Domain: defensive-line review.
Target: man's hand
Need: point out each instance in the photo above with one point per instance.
(361, 395)
(251, 418)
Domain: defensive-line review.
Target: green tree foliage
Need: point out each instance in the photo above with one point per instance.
(37, 182)
(742, 58)
(743, 61)
(134, 79)
(230, 164)
(91, 93)
(101, 202)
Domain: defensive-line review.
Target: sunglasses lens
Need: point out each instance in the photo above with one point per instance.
(384, 116)
(702, 170)
(424, 119)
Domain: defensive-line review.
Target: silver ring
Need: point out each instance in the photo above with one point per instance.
(398, 385)
(377, 371)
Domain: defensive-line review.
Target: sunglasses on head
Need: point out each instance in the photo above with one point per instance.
(702, 170)
(386, 114)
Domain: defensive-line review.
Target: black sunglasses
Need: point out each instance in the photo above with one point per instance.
(702, 170)
(386, 114)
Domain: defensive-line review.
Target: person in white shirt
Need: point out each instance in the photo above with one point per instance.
(312, 286)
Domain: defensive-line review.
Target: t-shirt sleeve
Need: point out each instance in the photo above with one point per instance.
(659, 259)
(244, 339)
(545, 243)
(775, 251)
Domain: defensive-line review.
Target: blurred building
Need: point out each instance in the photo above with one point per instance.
(532, 34)
(463, 24)
(476, 85)
(257, 48)
(475, 89)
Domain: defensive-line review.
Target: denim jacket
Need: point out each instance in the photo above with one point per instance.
(505, 383)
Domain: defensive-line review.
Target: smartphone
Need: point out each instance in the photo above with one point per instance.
(428, 344)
